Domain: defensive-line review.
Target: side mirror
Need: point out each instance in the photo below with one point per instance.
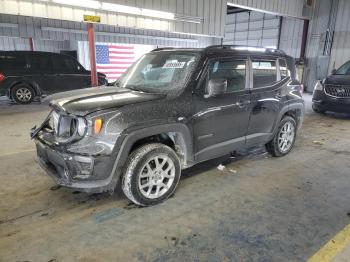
(216, 87)
(334, 71)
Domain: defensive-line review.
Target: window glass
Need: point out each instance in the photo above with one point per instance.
(284, 71)
(233, 71)
(12, 61)
(65, 64)
(344, 69)
(41, 63)
(159, 72)
(264, 73)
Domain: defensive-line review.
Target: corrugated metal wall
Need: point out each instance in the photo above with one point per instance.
(212, 13)
(252, 28)
(54, 35)
(260, 29)
(341, 42)
(291, 36)
(281, 7)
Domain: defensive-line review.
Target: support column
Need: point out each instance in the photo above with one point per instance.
(92, 51)
(31, 43)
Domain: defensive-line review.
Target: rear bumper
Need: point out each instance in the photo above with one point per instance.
(324, 102)
(83, 173)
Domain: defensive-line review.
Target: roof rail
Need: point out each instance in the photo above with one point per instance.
(244, 48)
(162, 48)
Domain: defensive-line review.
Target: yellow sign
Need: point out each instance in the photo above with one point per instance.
(92, 18)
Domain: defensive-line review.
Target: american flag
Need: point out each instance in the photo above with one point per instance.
(114, 59)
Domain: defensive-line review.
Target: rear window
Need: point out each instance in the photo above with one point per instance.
(8, 61)
(65, 64)
(40, 62)
(264, 73)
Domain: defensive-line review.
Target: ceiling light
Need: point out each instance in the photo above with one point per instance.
(81, 3)
(121, 8)
(157, 14)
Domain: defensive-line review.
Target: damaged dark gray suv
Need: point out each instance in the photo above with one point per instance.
(172, 109)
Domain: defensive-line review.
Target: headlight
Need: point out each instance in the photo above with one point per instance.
(318, 86)
(81, 126)
(67, 127)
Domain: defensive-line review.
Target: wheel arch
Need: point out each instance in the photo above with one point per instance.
(31, 84)
(176, 136)
(295, 110)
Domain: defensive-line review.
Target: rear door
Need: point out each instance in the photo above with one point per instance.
(41, 71)
(220, 122)
(68, 74)
(267, 97)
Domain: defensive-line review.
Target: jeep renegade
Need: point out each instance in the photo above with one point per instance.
(172, 109)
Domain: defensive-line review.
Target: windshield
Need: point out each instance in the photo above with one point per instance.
(344, 69)
(159, 72)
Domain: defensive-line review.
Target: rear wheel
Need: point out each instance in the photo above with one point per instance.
(151, 175)
(284, 139)
(22, 94)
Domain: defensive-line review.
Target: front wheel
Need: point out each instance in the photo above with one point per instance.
(284, 139)
(151, 175)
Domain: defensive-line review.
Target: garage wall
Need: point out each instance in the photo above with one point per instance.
(261, 29)
(55, 35)
(294, 8)
(252, 28)
(291, 36)
(209, 15)
(341, 42)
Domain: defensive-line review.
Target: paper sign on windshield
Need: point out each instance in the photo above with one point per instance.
(174, 65)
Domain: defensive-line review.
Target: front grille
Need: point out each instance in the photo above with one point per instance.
(338, 90)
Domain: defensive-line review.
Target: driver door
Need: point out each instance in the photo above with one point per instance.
(220, 122)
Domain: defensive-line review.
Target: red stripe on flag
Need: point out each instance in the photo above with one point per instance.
(112, 67)
(120, 62)
(121, 52)
(121, 47)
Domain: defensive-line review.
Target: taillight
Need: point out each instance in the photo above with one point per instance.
(2, 77)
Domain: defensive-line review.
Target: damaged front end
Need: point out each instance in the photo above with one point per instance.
(71, 152)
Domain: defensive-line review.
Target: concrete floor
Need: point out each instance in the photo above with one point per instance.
(258, 209)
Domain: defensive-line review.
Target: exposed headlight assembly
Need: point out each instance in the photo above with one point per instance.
(67, 128)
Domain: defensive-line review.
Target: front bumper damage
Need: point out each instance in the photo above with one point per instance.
(84, 173)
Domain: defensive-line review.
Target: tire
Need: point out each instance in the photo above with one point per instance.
(143, 178)
(22, 94)
(317, 110)
(284, 139)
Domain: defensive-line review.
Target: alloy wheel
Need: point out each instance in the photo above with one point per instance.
(286, 137)
(23, 94)
(156, 177)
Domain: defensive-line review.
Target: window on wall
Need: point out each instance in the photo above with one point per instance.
(284, 71)
(233, 71)
(264, 73)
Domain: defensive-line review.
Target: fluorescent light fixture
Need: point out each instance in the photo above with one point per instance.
(121, 8)
(157, 14)
(81, 3)
(125, 9)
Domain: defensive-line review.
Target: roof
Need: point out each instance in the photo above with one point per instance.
(227, 48)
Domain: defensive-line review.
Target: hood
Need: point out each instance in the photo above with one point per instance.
(338, 80)
(84, 101)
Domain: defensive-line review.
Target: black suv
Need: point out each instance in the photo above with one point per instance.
(172, 109)
(333, 93)
(26, 74)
